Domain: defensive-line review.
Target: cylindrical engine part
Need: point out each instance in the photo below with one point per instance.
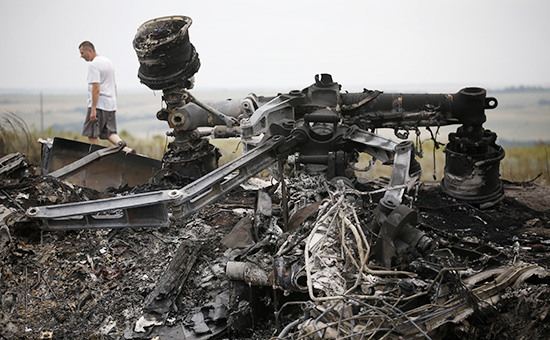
(166, 56)
(469, 105)
(385, 110)
(192, 157)
(471, 176)
(191, 116)
(282, 276)
(249, 273)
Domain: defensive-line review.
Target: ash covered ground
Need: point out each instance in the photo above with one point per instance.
(483, 277)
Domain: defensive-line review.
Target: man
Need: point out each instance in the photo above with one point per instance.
(100, 119)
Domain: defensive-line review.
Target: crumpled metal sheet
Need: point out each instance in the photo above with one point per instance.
(12, 162)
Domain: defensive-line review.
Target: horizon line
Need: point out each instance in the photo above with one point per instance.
(403, 87)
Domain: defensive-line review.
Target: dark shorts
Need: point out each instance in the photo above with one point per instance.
(103, 127)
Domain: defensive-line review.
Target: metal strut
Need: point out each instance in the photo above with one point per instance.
(151, 209)
(159, 208)
(406, 170)
(78, 164)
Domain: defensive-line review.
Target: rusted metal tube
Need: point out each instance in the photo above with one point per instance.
(387, 110)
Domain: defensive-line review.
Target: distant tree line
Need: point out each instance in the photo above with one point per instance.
(523, 88)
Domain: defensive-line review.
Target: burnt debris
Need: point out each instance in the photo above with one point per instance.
(184, 249)
(232, 271)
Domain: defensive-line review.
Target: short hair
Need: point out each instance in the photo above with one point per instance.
(86, 44)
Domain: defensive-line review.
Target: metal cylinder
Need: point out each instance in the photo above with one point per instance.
(472, 170)
(249, 273)
(390, 110)
(166, 56)
(469, 105)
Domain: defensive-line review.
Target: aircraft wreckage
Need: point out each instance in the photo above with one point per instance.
(321, 254)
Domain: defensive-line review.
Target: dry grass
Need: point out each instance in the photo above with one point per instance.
(526, 163)
(15, 136)
(521, 164)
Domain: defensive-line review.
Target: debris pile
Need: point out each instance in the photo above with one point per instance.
(208, 252)
(332, 265)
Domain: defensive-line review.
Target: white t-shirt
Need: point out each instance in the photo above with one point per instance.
(101, 71)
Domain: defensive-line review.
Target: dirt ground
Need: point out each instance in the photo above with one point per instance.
(92, 284)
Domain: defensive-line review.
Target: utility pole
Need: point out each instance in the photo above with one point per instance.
(41, 113)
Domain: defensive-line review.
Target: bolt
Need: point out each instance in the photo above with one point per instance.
(174, 194)
(33, 211)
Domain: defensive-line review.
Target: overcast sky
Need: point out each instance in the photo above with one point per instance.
(255, 44)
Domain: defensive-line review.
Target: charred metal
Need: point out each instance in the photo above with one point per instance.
(311, 252)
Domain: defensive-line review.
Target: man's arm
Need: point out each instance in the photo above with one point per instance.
(95, 97)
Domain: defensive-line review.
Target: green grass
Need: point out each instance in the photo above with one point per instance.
(521, 164)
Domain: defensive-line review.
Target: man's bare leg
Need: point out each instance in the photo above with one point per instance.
(114, 138)
(93, 140)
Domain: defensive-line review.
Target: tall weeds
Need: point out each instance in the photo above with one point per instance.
(15, 136)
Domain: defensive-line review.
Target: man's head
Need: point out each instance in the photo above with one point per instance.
(87, 51)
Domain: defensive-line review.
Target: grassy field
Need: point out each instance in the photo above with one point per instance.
(521, 164)
(519, 116)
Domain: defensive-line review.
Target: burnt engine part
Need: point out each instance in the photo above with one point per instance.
(472, 169)
(287, 277)
(166, 56)
(395, 227)
(150, 209)
(192, 157)
(309, 125)
(319, 126)
(168, 62)
(472, 157)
